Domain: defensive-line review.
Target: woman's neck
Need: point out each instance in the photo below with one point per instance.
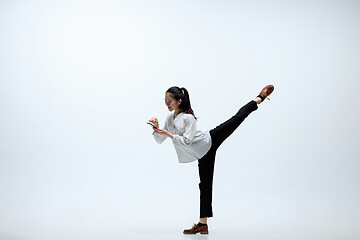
(177, 112)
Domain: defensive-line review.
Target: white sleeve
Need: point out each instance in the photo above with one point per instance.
(161, 138)
(187, 138)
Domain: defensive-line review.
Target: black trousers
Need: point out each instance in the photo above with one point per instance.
(206, 163)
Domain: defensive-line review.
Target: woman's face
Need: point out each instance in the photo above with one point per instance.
(171, 102)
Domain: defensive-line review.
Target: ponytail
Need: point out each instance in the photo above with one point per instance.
(183, 94)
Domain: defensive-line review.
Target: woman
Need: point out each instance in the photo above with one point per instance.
(192, 144)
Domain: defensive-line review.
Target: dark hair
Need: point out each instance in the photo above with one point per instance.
(183, 94)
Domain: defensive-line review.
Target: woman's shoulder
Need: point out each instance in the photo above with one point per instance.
(188, 117)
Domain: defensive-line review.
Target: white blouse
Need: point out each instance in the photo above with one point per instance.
(190, 144)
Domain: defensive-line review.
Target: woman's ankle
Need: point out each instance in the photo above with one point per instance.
(203, 220)
(258, 100)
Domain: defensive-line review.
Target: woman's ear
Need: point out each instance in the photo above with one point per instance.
(179, 102)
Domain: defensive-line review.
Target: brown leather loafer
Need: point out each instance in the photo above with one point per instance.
(197, 229)
(266, 92)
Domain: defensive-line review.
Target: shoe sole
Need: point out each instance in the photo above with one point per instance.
(205, 232)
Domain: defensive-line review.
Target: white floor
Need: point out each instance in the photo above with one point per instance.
(226, 235)
(215, 234)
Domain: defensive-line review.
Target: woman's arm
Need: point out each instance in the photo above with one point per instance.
(160, 135)
(164, 132)
(189, 133)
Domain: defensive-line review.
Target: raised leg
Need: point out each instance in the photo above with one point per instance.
(224, 130)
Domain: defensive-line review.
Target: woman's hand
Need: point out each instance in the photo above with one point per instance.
(155, 122)
(163, 132)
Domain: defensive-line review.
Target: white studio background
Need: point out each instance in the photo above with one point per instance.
(79, 80)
